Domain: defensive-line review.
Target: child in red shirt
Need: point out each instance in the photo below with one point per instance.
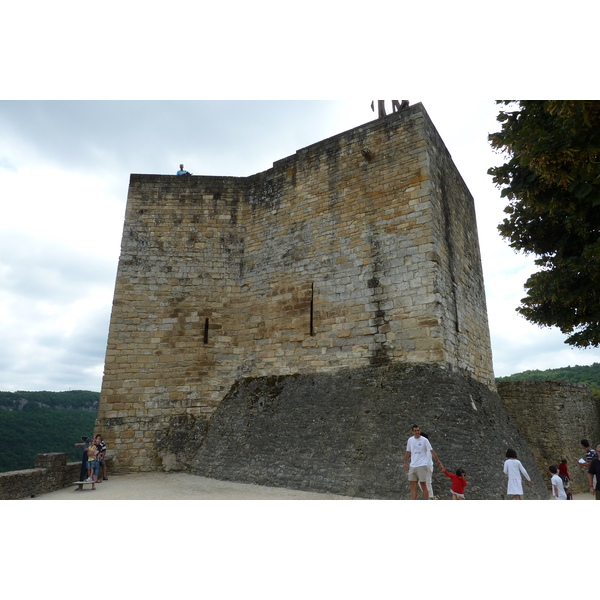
(563, 472)
(459, 483)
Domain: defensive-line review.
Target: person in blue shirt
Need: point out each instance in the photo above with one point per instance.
(182, 171)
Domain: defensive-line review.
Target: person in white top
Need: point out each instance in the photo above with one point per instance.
(558, 488)
(513, 468)
(419, 450)
(432, 455)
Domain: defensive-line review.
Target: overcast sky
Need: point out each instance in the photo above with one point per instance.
(64, 173)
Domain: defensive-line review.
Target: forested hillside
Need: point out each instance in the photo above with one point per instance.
(39, 422)
(590, 375)
(76, 399)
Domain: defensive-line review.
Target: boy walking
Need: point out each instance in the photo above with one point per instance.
(558, 490)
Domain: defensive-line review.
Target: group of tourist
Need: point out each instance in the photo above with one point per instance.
(560, 477)
(94, 451)
(422, 455)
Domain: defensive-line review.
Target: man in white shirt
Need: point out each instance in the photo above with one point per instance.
(419, 450)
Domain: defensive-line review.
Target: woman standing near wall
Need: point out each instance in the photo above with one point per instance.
(513, 468)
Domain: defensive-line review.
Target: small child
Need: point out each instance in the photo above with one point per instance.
(92, 463)
(514, 469)
(563, 473)
(558, 490)
(459, 483)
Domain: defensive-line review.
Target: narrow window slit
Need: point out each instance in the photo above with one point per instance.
(312, 308)
(206, 330)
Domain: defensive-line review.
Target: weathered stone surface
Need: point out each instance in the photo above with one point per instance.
(178, 443)
(51, 472)
(346, 432)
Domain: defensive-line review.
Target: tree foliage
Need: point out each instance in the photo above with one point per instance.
(587, 374)
(34, 423)
(552, 183)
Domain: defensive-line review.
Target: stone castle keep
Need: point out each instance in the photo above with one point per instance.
(287, 328)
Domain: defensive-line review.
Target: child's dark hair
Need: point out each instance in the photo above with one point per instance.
(585, 443)
(460, 472)
(510, 453)
(552, 469)
(564, 461)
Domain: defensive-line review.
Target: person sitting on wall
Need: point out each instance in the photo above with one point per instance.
(182, 171)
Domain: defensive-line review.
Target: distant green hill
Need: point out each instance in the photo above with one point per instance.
(590, 375)
(39, 422)
(75, 399)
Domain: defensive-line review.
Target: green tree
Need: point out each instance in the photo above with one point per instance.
(552, 182)
(25, 433)
(586, 374)
(38, 422)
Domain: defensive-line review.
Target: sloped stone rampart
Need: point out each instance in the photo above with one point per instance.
(346, 432)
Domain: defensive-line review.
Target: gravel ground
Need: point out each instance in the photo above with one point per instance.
(183, 486)
(179, 486)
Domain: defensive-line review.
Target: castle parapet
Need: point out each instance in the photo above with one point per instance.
(51, 472)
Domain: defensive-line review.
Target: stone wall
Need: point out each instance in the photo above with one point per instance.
(554, 417)
(51, 472)
(360, 250)
(346, 432)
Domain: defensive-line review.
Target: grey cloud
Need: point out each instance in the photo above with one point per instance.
(35, 269)
(34, 349)
(152, 136)
(88, 342)
(56, 361)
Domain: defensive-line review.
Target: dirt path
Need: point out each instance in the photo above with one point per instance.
(179, 486)
(183, 486)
